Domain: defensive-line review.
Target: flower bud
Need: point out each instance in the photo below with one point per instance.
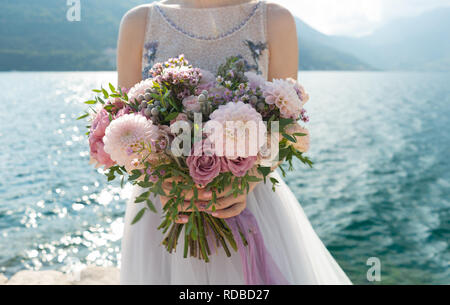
(201, 98)
(260, 106)
(140, 98)
(155, 120)
(155, 111)
(148, 112)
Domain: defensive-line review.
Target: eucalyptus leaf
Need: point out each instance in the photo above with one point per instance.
(138, 216)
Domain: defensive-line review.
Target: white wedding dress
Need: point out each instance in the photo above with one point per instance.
(206, 37)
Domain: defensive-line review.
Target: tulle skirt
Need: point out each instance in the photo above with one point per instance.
(288, 236)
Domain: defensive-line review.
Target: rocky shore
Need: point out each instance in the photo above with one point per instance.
(89, 276)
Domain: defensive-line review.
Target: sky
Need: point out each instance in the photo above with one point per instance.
(356, 17)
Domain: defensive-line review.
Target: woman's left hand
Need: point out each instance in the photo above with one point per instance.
(230, 206)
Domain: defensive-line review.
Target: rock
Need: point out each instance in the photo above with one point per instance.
(3, 279)
(94, 275)
(48, 277)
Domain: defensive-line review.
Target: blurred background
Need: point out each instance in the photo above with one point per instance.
(378, 73)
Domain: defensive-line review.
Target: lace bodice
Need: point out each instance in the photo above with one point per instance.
(206, 36)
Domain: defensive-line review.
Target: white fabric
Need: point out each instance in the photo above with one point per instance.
(287, 233)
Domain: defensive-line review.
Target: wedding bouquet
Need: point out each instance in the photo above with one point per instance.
(195, 130)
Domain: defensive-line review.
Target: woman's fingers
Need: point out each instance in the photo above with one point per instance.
(225, 202)
(231, 211)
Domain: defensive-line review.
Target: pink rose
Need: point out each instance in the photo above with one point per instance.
(204, 168)
(98, 152)
(101, 121)
(239, 166)
(180, 117)
(191, 103)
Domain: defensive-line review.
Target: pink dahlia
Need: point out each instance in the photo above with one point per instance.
(238, 128)
(302, 95)
(302, 144)
(128, 138)
(204, 167)
(282, 94)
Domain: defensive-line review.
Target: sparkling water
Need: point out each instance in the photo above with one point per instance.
(380, 186)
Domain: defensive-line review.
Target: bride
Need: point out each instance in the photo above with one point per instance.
(207, 31)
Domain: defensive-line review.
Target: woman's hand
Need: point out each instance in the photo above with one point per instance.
(226, 206)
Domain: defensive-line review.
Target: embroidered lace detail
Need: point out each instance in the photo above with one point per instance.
(217, 37)
(207, 36)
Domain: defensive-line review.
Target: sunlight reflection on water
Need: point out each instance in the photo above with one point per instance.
(379, 186)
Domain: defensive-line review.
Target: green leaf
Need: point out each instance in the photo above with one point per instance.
(138, 216)
(265, 171)
(155, 96)
(172, 116)
(289, 138)
(83, 116)
(253, 179)
(105, 93)
(151, 206)
(135, 175)
(96, 91)
(284, 122)
(91, 102)
(174, 105)
(111, 87)
(299, 134)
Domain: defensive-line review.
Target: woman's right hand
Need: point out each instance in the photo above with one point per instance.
(224, 202)
(227, 205)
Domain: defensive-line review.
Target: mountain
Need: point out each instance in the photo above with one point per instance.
(36, 35)
(413, 43)
(317, 53)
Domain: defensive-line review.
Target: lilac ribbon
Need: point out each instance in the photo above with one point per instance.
(259, 268)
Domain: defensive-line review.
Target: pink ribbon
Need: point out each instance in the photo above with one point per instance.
(258, 266)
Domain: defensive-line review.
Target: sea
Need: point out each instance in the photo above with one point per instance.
(379, 191)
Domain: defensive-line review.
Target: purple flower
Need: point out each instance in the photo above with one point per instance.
(205, 167)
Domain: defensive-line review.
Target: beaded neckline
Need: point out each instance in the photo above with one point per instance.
(208, 38)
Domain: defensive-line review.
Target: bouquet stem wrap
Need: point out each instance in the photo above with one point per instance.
(258, 265)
